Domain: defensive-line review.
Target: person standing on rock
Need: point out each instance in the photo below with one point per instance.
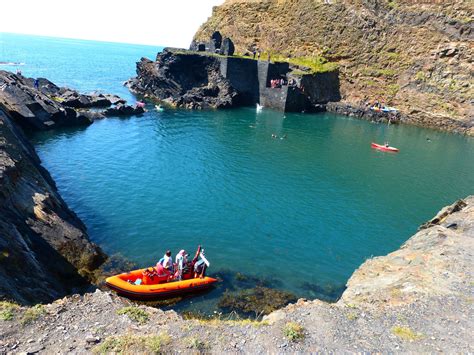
(36, 84)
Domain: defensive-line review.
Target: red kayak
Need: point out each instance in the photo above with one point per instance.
(384, 147)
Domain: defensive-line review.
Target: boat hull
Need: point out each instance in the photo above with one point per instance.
(384, 148)
(158, 288)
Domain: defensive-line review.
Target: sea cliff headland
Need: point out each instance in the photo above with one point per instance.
(415, 56)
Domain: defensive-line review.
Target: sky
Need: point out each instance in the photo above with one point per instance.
(153, 22)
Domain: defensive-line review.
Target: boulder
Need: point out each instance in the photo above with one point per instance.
(228, 47)
(215, 42)
(123, 110)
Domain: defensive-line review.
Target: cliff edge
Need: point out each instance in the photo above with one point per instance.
(416, 299)
(414, 55)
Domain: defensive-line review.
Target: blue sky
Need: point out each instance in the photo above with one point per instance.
(155, 22)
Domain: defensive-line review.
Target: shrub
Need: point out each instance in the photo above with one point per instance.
(293, 331)
(196, 343)
(406, 333)
(32, 314)
(135, 314)
(7, 310)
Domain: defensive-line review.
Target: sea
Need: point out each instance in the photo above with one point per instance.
(297, 213)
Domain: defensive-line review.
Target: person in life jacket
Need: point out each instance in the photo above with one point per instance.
(166, 262)
(181, 262)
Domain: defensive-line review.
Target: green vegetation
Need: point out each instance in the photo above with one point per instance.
(32, 314)
(196, 343)
(392, 4)
(352, 316)
(135, 314)
(406, 333)
(293, 331)
(232, 319)
(392, 89)
(314, 64)
(133, 344)
(420, 76)
(377, 72)
(7, 310)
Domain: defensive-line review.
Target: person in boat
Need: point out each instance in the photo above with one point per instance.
(181, 262)
(386, 144)
(166, 262)
(200, 266)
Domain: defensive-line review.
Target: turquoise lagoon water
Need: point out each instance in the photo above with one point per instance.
(302, 212)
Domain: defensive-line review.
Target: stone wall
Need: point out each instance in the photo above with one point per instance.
(274, 98)
(243, 76)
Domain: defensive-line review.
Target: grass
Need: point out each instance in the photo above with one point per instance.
(7, 310)
(218, 319)
(293, 331)
(420, 76)
(32, 314)
(406, 333)
(352, 316)
(196, 343)
(315, 64)
(135, 314)
(133, 344)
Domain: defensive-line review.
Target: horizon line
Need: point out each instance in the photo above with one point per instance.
(88, 39)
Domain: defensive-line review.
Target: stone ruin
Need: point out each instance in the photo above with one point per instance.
(216, 44)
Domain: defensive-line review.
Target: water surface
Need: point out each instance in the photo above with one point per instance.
(302, 212)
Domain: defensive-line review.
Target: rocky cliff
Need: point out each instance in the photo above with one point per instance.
(416, 299)
(38, 104)
(183, 80)
(45, 252)
(414, 55)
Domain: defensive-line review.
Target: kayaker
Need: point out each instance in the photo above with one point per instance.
(386, 145)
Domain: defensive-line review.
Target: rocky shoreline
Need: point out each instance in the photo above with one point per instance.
(39, 104)
(418, 298)
(45, 252)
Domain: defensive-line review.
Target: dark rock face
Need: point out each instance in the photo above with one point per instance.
(364, 113)
(45, 105)
(45, 252)
(123, 110)
(215, 42)
(227, 47)
(184, 80)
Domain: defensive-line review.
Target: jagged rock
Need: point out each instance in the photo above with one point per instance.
(215, 42)
(184, 80)
(123, 110)
(227, 47)
(48, 106)
(43, 244)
